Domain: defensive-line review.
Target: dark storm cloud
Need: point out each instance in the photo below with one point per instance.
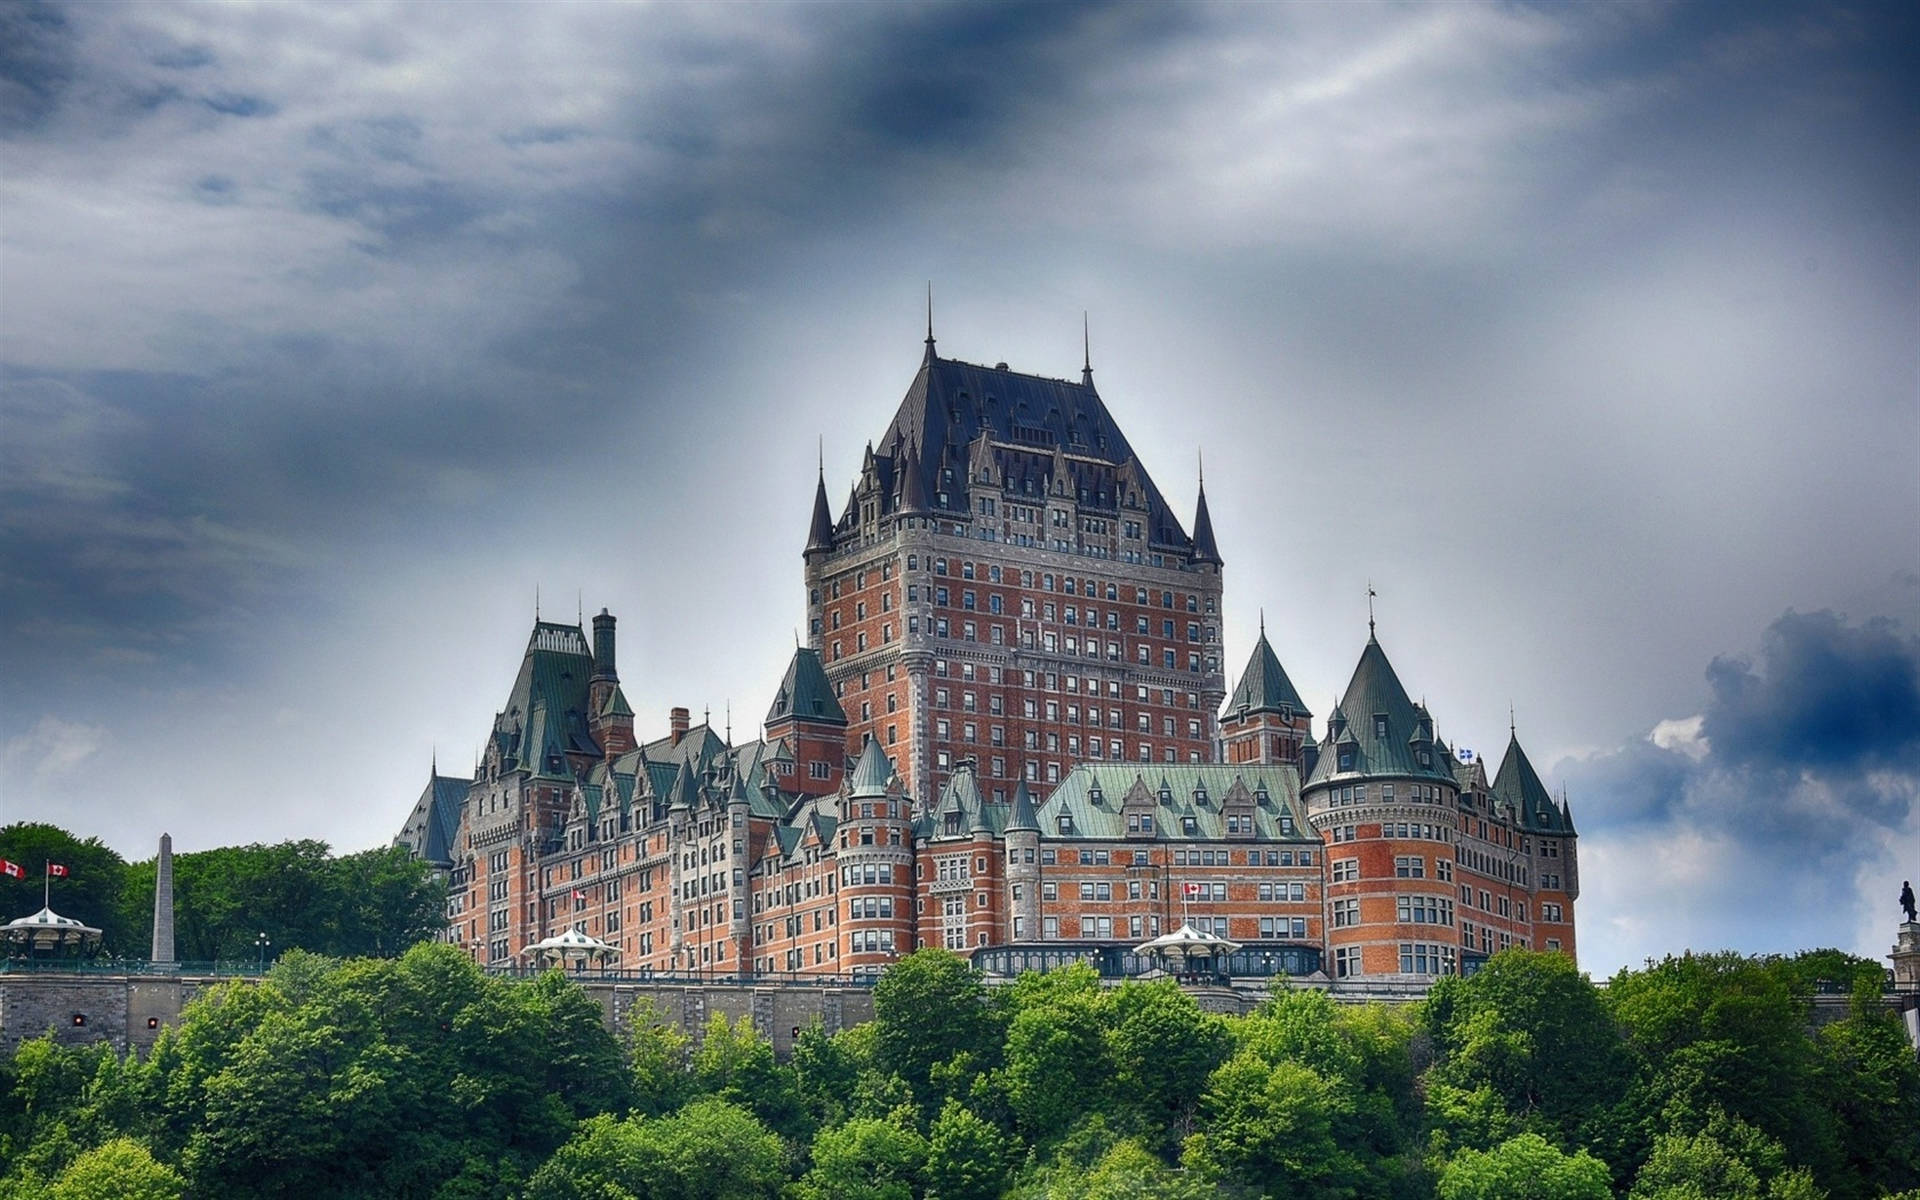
(1801, 775)
(1827, 695)
(37, 62)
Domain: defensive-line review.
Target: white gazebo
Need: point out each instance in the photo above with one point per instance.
(1186, 948)
(570, 944)
(48, 931)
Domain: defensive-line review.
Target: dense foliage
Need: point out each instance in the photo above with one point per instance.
(1698, 1078)
(299, 894)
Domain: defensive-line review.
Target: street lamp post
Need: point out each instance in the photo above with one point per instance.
(261, 943)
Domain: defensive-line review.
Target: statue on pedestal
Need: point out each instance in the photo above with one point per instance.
(1906, 900)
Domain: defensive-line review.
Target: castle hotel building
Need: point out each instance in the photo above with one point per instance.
(1010, 735)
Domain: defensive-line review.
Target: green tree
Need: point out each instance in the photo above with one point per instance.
(89, 892)
(1722, 1033)
(1056, 1049)
(1728, 1160)
(865, 1159)
(658, 1054)
(929, 1008)
(1128, 1171)
(967, 1157)
(1271, 1125)
(1162, 1049)
(709, 1150)
(1532, 1032)
(1527, 1167)
(121, 1169)
(736, 1064)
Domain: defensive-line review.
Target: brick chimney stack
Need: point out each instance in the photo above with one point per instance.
(678, 722)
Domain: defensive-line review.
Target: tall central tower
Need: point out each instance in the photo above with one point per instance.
(1007, 585)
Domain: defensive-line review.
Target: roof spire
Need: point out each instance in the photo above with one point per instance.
(1204, 548)
(1086, 349)
(536, 604)
(930, 354)
(820, 531)
(1263, 622)
(1512, 729)
(729, 721)
(1370, 595)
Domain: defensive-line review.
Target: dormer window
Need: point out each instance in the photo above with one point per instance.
(1425, 757)
(953, 823)
(1189, 826)
(1379, 725)
(1066, 823)
(1346, 758)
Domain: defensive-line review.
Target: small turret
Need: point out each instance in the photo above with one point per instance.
(1204, 550)
(820, 534)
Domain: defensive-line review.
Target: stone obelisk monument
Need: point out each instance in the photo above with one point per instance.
(163, 906)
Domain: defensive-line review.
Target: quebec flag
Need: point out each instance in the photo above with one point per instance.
(1464, 754)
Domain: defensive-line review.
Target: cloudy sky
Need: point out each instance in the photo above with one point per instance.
(329, 333)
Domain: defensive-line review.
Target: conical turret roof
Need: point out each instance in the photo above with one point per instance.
(1204, 550)
(872, 772)
(820, 533)
(1264, 686)
(1382, 727)
(1022, 818)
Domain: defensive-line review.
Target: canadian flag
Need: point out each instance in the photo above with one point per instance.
(56, 871)
(1196, 889)
(578, 894)
(12, 868)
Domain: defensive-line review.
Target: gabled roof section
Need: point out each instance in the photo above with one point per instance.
(805, 694)
(1264, 686)
(616, 704)
(1375, 692)
(1189, 801)
(1518, 784)
(872, 773)
(1057, 423)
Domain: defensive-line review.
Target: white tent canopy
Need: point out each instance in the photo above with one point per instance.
(47, 929)
(570, 944)
(1186, 945)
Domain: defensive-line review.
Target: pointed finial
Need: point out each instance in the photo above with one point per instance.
(1263, 622)
(1086, 349)
(435, 769)
(1512, 729)
(580, 607)
(536, 603)
(929, 316)
(823, 456)
(729, 721)
(1370, 595)
(1200, 457)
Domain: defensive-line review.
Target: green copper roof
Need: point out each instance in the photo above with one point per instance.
(872, 772)
(1381, 727)
(1264, 686)
(616, 704)
(1518, 784)
(546, 713)
(1189, 802)
(805, 694)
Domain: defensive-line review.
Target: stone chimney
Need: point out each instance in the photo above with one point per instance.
(678, 721)
(163, 904)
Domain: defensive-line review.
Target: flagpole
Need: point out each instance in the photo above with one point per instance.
(46, 883)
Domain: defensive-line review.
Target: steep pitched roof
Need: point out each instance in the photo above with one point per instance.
(546, 713)
(805, 693)
(1518, 784)
(1045, 425)
(433, 825)
(1264, 686)
(1381, 725)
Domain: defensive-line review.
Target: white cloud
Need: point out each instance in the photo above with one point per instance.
(1682, 736)
(51, 753)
